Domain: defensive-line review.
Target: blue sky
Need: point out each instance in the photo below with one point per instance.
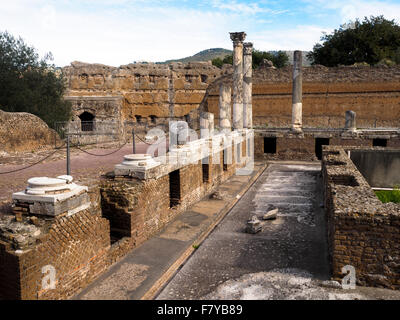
(116, 32)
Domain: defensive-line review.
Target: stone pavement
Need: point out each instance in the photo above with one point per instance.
(287, 260)
(143, 272)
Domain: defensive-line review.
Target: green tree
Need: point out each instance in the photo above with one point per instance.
(30, 84)
(372, 40)
(279, 59)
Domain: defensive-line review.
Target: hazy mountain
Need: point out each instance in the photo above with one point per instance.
(210, 54)
(204, 55)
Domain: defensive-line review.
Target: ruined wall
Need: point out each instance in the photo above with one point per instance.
(76, 246)
(138, 209)
(15, 137)
(372, 92)
(362, 231)
(289, 146)
(107, 123)
(152, 93)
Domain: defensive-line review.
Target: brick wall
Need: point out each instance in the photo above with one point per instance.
(138, 209)
(362, 231)
(125, 212)
(372, 92)
(302, 147)
(77, 248)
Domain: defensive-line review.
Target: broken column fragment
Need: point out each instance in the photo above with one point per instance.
(297, 92)
(247, 85)
(206, 124)
(255, 225)
(238, 38)
(178, 133)
(350, 123)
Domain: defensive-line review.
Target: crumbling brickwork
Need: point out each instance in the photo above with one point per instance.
(75, 246)
(14, 135)
(138, 209)
(362, 231)
(291, 146)
(152, 93)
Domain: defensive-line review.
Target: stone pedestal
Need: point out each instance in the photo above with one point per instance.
(238, 38)
(134, 164)
(225, 114)
(247, 85)
(51, 197)
(297, 92)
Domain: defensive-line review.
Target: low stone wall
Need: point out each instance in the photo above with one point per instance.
(15, 136)
(138, 209)
(76, 247)
(282, 144)
(80, 244)
(362, 231)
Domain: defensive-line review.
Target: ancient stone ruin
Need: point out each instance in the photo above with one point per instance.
(62, 235)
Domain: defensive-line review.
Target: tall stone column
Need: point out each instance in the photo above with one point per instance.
(238, 38)
(225, 113)
(247, 85)
(297, 93)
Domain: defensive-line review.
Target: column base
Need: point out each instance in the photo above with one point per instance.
(296, 129)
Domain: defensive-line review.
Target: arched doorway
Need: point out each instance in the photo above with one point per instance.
(87, 121)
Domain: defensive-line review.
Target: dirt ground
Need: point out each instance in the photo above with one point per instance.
(84, 167)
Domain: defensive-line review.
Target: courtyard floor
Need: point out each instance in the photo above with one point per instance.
(287, 260)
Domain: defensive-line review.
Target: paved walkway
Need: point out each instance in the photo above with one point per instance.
(287, 260)
(144, 270)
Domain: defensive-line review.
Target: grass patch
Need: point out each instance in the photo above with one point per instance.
(389, 195)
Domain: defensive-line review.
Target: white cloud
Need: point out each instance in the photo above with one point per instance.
(302, 37)
(116, 37)
(118, 32)
(352, 9)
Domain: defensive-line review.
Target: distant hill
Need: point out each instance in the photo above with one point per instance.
(210, 54)
(204, 55)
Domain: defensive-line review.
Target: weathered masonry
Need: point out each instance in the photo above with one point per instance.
(63, 235)
(362, 231)
(59, 227)
(135, 95)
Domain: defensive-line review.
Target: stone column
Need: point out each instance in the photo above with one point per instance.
(297, 92)
(225, 114)
(350, 124)
(238, 38)
(247, 85)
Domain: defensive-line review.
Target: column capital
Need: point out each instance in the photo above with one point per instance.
(247, 48)
(237, 37)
